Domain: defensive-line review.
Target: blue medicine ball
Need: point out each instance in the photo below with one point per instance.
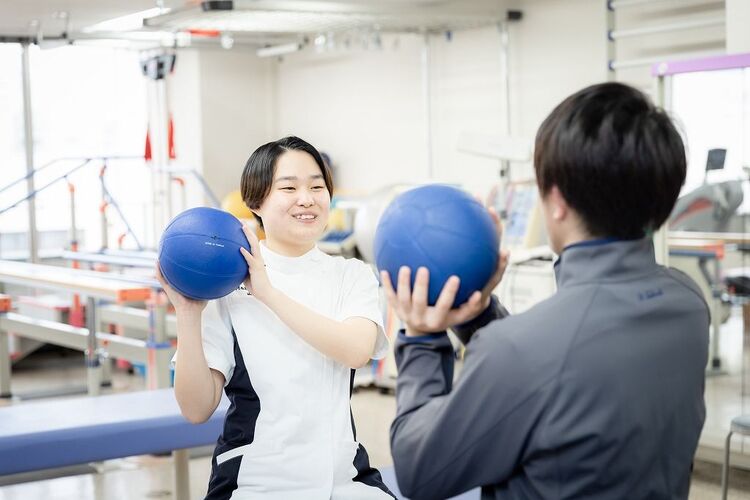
(443, 229)
(199, 253)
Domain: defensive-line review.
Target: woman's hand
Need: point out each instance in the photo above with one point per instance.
(257, 282)
(420, 319)
(182, 304)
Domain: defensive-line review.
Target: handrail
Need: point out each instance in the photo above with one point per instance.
(37, 191)
(111, 200)
(70, 158)
(199, 177)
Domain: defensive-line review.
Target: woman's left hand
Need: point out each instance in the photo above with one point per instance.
(257, 282)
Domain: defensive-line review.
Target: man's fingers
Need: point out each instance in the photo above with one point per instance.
(447, 295)
(504, 259)
(467, 310)
(390, 293)
(403, 292)
(421, 289)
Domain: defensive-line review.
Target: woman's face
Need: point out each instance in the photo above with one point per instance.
(295, 212)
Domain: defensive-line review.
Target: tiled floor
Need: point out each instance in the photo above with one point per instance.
(151, 477)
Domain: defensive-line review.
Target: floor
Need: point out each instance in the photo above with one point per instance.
(149, 477)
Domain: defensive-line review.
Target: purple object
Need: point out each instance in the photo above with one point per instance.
(715, 63)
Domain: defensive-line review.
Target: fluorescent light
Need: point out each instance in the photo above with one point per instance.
(126, 23)
(279, 50)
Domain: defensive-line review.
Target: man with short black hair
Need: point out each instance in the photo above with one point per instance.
(596, 392)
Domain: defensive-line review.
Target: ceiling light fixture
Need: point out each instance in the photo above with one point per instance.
(279, 50)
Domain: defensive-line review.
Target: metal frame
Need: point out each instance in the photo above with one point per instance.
(155, 351)
(613, 34)
(666, 28)
(29, 149)
(663, 71)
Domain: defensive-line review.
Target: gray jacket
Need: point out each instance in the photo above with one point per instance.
(596, 392)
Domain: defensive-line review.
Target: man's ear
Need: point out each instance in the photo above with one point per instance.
(559, 207)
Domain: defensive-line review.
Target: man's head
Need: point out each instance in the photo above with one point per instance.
(608, 164)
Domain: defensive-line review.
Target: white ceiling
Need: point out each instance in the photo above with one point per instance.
(17, 16)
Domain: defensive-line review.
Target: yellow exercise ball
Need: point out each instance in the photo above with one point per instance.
(233, 204)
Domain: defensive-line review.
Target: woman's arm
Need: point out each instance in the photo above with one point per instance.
(197, 387)
(350, 342)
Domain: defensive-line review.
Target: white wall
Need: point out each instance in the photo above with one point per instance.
(367, 108)
(364, 108)
(186, 108)
(237, 98)
(222, 103)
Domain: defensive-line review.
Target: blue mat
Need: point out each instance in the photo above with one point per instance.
(48, 434)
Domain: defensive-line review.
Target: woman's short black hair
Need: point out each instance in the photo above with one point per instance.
(257, 177)
(617, 159)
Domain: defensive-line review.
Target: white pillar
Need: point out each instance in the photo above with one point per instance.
(738, 20)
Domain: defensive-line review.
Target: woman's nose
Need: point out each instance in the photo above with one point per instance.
(305, 199)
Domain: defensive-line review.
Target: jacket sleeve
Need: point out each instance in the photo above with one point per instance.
(446, 440)
(494, 311)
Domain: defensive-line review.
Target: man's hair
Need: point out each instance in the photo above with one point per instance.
(257, 177)
(618, 160)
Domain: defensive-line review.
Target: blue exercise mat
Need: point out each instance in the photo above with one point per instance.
(48, 434)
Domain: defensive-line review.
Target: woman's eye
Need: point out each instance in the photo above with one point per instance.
(287, 188)
(318, 187)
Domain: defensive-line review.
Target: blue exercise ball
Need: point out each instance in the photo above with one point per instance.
(199, 253)
(443, 229)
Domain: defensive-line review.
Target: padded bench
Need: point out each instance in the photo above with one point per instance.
(59, 433)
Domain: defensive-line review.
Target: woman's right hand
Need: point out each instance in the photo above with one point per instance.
(182, 304)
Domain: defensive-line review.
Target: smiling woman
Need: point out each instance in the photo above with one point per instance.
(288, 187)
(285, 353)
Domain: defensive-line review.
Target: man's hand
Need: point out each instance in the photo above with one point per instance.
(421, 319)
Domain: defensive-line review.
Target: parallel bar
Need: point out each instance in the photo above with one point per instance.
(715, 237)
(99, 285)
(73, 337)
(133, 318)
(109, 259)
